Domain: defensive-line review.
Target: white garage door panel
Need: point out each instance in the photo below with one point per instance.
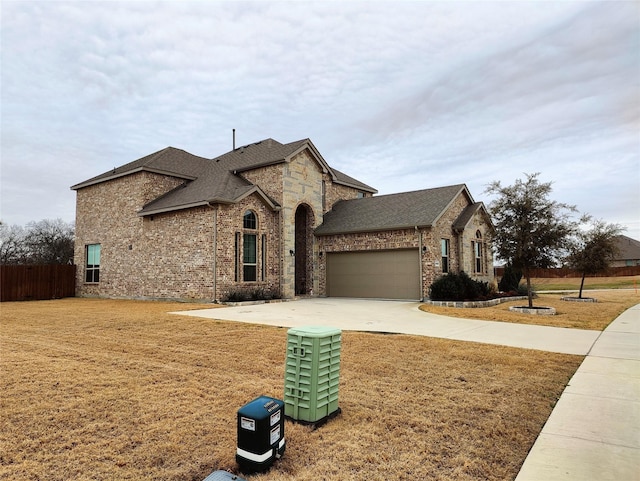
(392, 274)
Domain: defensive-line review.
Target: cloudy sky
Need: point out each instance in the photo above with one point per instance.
(401, 95)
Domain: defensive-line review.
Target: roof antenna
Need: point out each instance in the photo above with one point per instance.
(234, 139)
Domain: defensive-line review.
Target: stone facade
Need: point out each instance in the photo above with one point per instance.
(197, 253)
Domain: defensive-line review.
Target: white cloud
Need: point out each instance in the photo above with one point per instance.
(402, 95)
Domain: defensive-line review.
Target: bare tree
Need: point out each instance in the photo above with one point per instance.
(13, 249)
(43, 242)
(594, 249)
(531, 230)
(50, 242)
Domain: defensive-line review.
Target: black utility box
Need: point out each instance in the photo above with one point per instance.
(260, 434)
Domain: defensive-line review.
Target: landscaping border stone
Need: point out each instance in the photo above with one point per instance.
(254, 303)
(474, 304)
(540, 311)
(578, 299)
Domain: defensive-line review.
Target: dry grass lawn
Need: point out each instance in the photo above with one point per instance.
(577, 315)
(120, 390)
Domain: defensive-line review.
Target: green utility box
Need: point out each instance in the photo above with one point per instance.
(312, 373)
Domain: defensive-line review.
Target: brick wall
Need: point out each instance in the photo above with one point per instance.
(191, 254)
(428, 238)
(106, 215)
(229, 223)
(337, 192)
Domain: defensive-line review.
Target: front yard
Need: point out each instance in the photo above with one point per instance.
(576, 315)
(120, 390)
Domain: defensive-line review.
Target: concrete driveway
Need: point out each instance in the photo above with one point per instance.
(403, 318)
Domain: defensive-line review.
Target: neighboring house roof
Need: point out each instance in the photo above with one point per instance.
(210, 181)
(421, 208)
(628, 248)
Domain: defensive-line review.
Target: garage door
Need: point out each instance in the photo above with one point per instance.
(393, 274)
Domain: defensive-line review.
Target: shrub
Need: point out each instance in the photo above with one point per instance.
(459, 287)
(255, 294)
(447, 288)
(510, 279)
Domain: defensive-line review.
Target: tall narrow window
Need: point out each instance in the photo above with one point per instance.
(236, 267)
(249, 248)
(444, 243)
(92, 269)
(478, 252)
(263, 253)
(249, 258)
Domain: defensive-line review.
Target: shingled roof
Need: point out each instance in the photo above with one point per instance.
(217, 180)
(628, 248)
(168, 161)
(421, 208)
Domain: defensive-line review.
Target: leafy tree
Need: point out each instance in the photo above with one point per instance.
(510, 279)
(530, 229)
(594, 249)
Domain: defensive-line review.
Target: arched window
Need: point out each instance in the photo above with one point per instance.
(477, 253)
(249, 248)
(249, 221)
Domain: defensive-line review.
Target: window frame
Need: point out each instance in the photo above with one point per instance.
(249, 257)
(478, 263)
(92, 271)
(445, 252)
(263, 257)
(249, 253)
(250, 220)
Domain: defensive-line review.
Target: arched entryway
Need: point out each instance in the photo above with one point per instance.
(303, 249)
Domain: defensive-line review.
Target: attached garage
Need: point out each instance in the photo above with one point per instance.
(387, 274)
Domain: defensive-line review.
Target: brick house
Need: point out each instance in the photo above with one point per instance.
(268, 216)
(627, 252)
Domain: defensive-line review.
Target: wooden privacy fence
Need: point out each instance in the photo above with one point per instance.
(566, 272)
(37, 282)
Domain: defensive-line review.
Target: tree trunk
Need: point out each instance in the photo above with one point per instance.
(529, 293)
(581, 284)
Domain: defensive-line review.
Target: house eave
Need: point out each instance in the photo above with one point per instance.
(370, 230)
(173, 208)
(357, 187)
(258, 166)
(89, 183)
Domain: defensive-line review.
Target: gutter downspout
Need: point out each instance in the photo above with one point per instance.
(420, 262)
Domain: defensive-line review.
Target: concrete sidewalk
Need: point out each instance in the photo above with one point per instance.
(593, 432)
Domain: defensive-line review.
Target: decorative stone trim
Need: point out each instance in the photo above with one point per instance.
(474, 304)
(579, 299)
(254, 303)
(540, 311)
